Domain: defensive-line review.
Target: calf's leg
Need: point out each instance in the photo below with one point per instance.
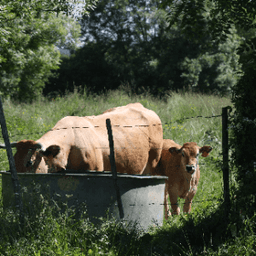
(173, 193)
(188, 200)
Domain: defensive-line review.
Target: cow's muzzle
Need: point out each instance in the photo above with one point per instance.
(29, 164)
(190, 169)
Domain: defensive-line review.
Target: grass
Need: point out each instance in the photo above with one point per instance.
(200, 233)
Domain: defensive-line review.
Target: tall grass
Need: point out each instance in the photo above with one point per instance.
(198, 233)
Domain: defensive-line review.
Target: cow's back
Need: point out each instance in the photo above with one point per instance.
(138, 138)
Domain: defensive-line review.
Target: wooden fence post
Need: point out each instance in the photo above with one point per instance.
(225, 149)
(16, 185)
(113, 168)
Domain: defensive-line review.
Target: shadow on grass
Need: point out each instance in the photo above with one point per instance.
(196, 234)
(193, 234)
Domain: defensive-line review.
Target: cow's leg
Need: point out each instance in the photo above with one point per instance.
(173, 193)
(152, 161)
(188, 200)
(95, 161)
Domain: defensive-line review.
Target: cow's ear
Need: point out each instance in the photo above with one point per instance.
(205, 150)
(174, 150)
(53, 151)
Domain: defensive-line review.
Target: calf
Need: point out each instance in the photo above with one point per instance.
(180, 164)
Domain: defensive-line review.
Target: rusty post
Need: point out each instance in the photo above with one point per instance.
(113, 168)
(15, 181)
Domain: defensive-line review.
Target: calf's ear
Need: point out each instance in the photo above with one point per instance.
(205, 150)
(174, 150)
(53, 151)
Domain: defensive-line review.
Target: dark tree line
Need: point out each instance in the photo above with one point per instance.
(130, 43)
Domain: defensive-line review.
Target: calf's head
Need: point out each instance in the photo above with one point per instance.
(31, 157)
(189, 155)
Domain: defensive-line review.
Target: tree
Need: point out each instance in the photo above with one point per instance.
(127, 31)
(118, 42)
(216, 67)
(28, 32)
(127, 42)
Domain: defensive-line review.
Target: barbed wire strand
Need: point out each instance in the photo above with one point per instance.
(193, 117)
(193, 202)
(124, 126)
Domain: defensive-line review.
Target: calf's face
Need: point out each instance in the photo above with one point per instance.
(189, 155)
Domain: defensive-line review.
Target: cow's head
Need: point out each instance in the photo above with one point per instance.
(189, 154)
(31, 156)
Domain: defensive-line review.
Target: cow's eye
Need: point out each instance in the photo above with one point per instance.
(183, 154)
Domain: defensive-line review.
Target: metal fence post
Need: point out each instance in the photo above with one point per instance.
(225, 168)
(16, 185)
(113, 168)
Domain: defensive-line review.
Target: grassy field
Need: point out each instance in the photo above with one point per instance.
(199, 233)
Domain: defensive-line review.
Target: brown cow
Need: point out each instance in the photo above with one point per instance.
(180, 164)
(81, 143)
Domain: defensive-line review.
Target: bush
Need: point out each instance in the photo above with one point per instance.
(244, 138)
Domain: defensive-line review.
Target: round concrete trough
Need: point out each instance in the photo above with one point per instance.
(142, 197)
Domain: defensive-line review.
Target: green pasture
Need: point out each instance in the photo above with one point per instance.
(198, 233)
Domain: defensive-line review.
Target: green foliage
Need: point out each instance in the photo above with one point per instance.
(215, 72)
(215, 67)
(117, 45)
(28, 9)
(244, 138)
(128, 43)
(55, 232)
(28, 32)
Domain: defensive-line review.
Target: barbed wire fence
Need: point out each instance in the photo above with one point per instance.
(124, 126)
(224, 116)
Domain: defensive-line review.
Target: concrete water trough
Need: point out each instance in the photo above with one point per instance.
(142, 197)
